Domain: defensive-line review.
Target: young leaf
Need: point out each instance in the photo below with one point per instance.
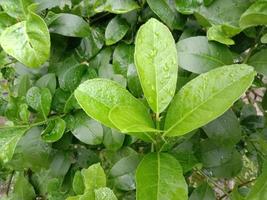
(117, 7)
(54, 130)
(94, 177)
(98, 96)
(210, 95)
(9, 138)
(264, 38)
(77, 184)
(104, 194)
(159, 176)
(255, 15)
(27, 41)
(68, 25)
(259, 61)
(39, 99)
(167, 13)
(156, 62)
(198, 55)
(116, 30)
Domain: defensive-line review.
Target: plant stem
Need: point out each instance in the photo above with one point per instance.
(9, 182)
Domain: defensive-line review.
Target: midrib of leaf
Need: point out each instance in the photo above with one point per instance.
(204, 102)
(158, 175)
(156, 74)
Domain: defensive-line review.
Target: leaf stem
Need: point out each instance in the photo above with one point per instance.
(9, 182)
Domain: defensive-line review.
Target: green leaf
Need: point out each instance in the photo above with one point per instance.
(116, 30)
(133, 81)
(97, 97)
(54, 130)
(159, 176)
(224, 130)
(187, 7)
(123, 58)
(218, 12)
(264, 38)
(77, 184)
(16, 9)
(123, 172)
(47, 81)
(94, 177)
(255, 15)
(113, 140)
(166, 11)
(23, 190)
(39, 99)
(210, 95)
(87, 130)
(223, 33)
(23, 85)
(5, 21)
(27, 41)
(70, 73)
(156, 62)
(204, 191)
(259, 190)
(198, 55)
(259, 61)
(104, 194)
(9, 138)
(68, 25)
(117, 7)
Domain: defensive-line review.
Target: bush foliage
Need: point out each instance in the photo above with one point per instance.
(133, 99)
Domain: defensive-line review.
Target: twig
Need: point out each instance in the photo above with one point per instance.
(9, 182)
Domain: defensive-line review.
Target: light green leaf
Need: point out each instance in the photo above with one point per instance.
(39, 99)
(77, 184)
(68, 25)
(27, 41)
(255, 15)
(98, 96)
(259, 61)
(210, 95)
(94, 177)
(116, 30)
(117, 7)
(159, 176)
(264, 38)
(223, 33)
(198, 55)
(54, 130)
(16, 9)
(104, 194)
(259, 190)
(156, 62)
(9, 138)
(167, 13)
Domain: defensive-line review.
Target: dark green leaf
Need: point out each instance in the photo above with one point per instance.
(259, 61)
(198, 55)
(204, 191)
(167, 13)
(113, 140)
(116, 30)
(47, 81)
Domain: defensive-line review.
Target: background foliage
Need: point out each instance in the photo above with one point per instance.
(49, 147)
